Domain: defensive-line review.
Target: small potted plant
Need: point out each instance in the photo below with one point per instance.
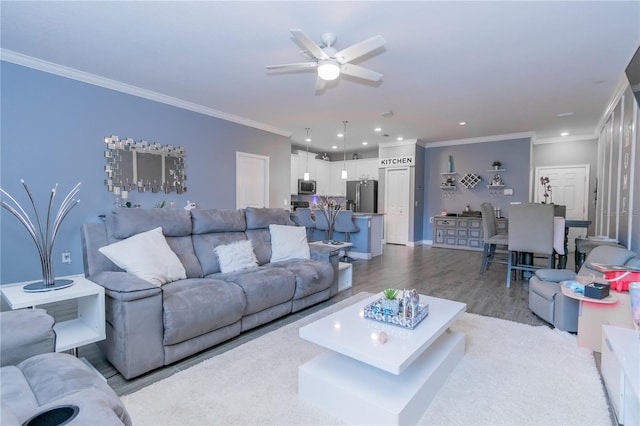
(390, 302)
(496, 165)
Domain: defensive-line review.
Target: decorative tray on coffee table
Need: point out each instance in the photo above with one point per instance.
(374, 311)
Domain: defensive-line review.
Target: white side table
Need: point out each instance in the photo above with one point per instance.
(87, 328)
(345, 271)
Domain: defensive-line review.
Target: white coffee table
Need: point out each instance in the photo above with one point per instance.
(363, 381)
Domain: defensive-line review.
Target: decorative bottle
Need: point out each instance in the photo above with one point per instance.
(450, 164)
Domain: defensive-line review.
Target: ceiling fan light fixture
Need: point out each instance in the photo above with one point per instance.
(328, 70)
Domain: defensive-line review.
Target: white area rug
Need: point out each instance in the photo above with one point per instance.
(511, 374)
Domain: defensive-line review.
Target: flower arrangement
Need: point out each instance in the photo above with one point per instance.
(329, 207)
(546, 186)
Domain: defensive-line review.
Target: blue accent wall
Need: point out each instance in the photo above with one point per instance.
(515, 155)
(52, 132)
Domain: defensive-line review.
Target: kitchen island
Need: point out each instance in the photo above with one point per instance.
(367, 243)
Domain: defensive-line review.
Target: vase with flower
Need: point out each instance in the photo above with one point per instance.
(546, 186)
(329, 208)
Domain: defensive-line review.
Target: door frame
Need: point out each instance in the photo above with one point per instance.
(240, 172)
(587, 170)
(386, 202)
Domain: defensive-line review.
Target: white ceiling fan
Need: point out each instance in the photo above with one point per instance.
(331, 63)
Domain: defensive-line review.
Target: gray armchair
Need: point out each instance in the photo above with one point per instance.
(545, 295)
(35, 381)
(25, 333)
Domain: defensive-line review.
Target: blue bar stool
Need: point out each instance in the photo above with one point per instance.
(303, 218)
(344, 223)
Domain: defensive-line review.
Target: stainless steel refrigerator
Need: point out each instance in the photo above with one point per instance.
(362, 196)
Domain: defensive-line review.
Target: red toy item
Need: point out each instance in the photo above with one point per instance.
(619, 280)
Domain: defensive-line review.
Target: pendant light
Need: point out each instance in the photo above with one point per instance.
(306, 174)
(344, 152)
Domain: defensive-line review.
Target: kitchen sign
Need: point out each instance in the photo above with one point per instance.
(407, 160)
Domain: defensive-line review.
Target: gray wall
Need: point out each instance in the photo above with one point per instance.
(52, 132)
(474, 158)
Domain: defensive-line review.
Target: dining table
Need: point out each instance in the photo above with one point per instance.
(570, 223)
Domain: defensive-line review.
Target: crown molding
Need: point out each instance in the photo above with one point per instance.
(96, 80)
(560, 139)
(623, 83)
(406, 142)
(482, 139)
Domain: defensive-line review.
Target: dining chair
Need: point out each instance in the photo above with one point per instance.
(303, 218)
(530, 234)
(322, 223)
(344, 223)
(492, 239)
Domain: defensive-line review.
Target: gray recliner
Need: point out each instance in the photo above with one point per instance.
(34, 379)
(545, 295)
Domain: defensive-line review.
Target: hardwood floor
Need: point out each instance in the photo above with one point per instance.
(445, 273)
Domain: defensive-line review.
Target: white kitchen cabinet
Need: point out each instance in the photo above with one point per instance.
(365, 168)
(338, 186)
(303, 166)
(322, 177)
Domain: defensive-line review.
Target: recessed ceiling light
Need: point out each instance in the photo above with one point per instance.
(565, 114)
(564, 134)
(462, 123)
(365, 143)
(334, 147)
(377, 129)
(399, 138)
(340, 135)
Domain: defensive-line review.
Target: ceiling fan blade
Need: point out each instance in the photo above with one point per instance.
(355, 51)
(359, 72)
(320, 83)
(291, 66)
(309, 44)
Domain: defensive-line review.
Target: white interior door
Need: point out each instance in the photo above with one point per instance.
(252, 180)
(397, 206)
(569, 187)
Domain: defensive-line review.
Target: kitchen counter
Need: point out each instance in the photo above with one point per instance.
(367, 243)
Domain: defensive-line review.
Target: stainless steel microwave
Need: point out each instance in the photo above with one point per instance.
(306, 187)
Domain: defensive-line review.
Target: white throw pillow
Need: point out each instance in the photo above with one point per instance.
(236, 256)
(148, 256)
(288, 242)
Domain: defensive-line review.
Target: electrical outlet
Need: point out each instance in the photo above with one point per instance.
(508, 191)
(66, 256)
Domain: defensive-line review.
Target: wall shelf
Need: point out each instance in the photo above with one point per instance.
(496, 170)
(448, 173)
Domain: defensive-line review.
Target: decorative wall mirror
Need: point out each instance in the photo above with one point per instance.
(144, 166)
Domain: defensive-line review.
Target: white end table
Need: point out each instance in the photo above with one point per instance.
(614, 309)
(87, 328)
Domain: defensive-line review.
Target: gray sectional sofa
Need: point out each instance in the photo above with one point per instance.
(150, 326)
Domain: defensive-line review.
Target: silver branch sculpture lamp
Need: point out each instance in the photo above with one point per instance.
(44, 233)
